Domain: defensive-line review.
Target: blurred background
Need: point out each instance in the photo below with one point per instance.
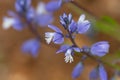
(15, 65)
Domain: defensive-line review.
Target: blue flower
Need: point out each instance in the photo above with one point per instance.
(57, 37)
(94, 74)
(45, 19)
(77, 70)
(98, 73)
(12, 22)
(102, 72)
(22, 5)
(83, 25)
(31, 46)
(65, 20)
(69, 51)
(18, 25)
(42, 16)
(53, 5)
(100, 48)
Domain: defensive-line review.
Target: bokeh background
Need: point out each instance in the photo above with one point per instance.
(15, 65)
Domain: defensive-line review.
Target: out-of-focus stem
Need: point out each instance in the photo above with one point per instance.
(34, 30)
(84, 9)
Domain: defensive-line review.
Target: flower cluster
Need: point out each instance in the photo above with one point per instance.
(26, 16)
(73, 28)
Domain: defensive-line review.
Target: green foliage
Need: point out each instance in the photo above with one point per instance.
(108, 26)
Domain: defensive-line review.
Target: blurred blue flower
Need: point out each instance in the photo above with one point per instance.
(102, 72)
(100, 48)
(31, 46)
(77, 70)
(7, 22)
(12, 22)
(57, 37)
(18, 25)
(45, 19)
(94, 74)
(53, 5)
(98, 73)
(83, 25)
(30, 14)
(42, 17)
(22, 5)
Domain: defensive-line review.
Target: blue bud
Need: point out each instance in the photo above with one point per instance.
(102, 72)
(53, 5)
(31, 46)
(94, 74)
(77, 70)
(65, 20)
(100, 48)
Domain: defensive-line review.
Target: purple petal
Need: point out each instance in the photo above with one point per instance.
(81, 19)
(54, 28)
(30, 14)
(77, 70)
(77, 49)
(18, 25)
(83, 27)
(31, 46)
(70, 17)
(102, 72)
(100, 48)
(73, 26)
(58, 38)
(64, 15)
(53, 5)
(63, 48)
(94, 75)
(22, 5)
(45, 19)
